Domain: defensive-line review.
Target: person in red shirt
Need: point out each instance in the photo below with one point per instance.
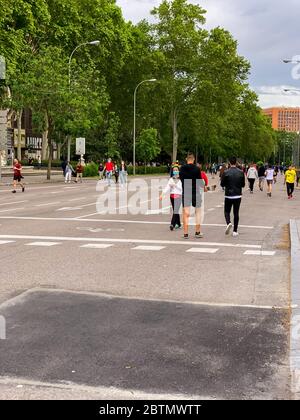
(109, 168)
(17, 176)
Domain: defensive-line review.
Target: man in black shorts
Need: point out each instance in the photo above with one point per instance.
(17, 176)
(190, 176)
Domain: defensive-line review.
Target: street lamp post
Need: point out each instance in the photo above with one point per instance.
(134, 118)
(70, 62)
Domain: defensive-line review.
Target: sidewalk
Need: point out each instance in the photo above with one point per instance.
(295, 304)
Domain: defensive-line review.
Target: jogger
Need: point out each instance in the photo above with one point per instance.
(17, 176)
(290, 179)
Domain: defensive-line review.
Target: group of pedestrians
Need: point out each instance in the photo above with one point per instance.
(269, 174)
(69, 171)
(188, 183)
(110, 169)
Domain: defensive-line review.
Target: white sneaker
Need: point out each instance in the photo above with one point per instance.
(235, 234)
(228, 229)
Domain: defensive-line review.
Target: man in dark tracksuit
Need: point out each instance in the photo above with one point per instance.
(233, 180)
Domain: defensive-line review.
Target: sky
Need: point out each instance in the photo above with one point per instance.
(267, 31)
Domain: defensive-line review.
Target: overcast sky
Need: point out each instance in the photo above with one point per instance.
(267, 32)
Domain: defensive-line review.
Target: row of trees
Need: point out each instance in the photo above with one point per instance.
(201, 100)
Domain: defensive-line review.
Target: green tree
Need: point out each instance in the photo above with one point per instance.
(147, 145)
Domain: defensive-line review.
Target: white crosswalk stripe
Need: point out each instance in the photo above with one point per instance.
(203, 250)
(97, 246)
(261, 253)
(148, 248)
(45, 244)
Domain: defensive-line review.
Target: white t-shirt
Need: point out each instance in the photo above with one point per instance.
(270, 174)
(174, 187)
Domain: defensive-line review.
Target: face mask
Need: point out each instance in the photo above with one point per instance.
(175, 174)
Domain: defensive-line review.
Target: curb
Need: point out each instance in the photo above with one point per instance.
(295, 306)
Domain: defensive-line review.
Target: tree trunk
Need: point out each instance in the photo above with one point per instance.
(45, 139)
(174, 121)
(59, 146)
(50, 146)
(19, 125)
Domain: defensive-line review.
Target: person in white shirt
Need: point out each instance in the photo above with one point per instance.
(174, 187)
(252, 176)
(270, 180)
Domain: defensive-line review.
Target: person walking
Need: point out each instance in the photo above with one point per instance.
(261, 176)
(68, 173)
(270, 180)
(17, 168)
(109, 168)
(79, 171)
(191, 178)
(116, 173)
(252, 176)
(233, 181)
(63, 166)
(222, 170)
(174, 187)
(101, 171)
(123, 173)
(290, 179)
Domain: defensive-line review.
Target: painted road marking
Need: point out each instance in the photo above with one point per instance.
(203, 250)
(13, 202)
(47, 204)
(148, 248)
(97, 246)
(5, 211)
(76, 199)
(6, 242)
(43, 244)
(97, 230)
(142, 222)
(159, 211)
(69, 208)
(132, 241)
(261, 253)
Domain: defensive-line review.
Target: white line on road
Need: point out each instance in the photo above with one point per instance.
(48, 204)
(142, 222)
(13, 202)
(5, 211)
(48, 244)
(97, 246)
(203, 250)
(76, 199)
(6, 242)
(148, 248)
(261, 253)
(129, 241)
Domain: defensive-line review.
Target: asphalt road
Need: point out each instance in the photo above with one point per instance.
(152, 314)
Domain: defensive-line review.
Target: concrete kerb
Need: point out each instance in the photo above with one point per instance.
(295, 307)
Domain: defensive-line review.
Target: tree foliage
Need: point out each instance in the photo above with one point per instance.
(201, 100)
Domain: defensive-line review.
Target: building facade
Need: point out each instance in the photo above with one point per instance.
(284, 119)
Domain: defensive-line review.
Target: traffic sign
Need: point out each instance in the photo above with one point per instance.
(80, 146)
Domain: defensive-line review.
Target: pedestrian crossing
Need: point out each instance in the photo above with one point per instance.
(141, 248)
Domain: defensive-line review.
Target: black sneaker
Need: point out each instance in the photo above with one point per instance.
(199, 235)
(23, 189)
(186, 236)
(14, 191)
(171, 228)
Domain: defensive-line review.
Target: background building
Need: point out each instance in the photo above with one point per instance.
(284, 119)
